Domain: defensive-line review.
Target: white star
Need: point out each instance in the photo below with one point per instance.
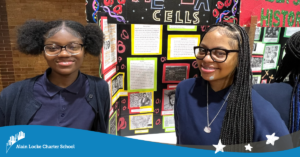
(271, 139)
(219, 147)
(248, 147)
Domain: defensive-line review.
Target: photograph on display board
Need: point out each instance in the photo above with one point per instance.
(175, 72)
(168, 102)
(113, 124)
(117, 83)
(140, 121)
(289, 31)
(256, 63)
(258, 48)
(140, 102)
(169, 123)
(257, 33)
(271, 35)
(141, 74)
(181, 47)
(271, 56)
(256, 79)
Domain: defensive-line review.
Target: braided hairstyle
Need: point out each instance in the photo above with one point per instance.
(291, 65)
(238, 127)
(33, 33)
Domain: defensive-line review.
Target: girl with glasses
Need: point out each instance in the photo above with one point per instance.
(285, 95)
(62, 96)
(221, 105)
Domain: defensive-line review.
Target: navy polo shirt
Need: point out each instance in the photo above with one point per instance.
(191, 114)
(279, 95)
(65, 107)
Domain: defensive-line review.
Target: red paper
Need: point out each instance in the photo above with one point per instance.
(254, 7)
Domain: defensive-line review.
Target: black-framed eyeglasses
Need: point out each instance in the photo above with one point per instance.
(54, 50)
(216, 54)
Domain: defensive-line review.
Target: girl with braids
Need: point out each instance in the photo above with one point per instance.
(286, 102)
(221, 105)
(62, 96)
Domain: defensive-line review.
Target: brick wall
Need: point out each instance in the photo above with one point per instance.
(18, 11)
(6, 61)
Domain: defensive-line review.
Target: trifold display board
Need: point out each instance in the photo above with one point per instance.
(152, 60)
(143, 63)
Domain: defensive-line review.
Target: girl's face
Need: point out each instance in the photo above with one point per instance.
(64, 63)
(217, 71)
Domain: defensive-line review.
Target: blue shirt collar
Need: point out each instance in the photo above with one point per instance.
(51, 89)
(222, 93)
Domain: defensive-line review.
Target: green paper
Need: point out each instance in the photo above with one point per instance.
(164, 127)
(129, 59)
(264, 38)
(278, 52)
(114, 115)
(194, 29)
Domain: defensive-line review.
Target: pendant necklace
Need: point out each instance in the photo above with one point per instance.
(207, 129)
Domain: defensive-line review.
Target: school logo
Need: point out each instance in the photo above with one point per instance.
(14, 139)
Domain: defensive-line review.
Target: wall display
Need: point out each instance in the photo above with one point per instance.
(113, 124)
(256, 63)
(182, 28)
(169, 123)
(271, 35)
(140, 121)
(168, 102)
(271, 56)
(142, 74)
(258, 48)
(256, 79)
(257, 33)
(146, 39)
(270, 13)
(182, 46)
(140, 102)
(289, 31)
(109, 54)
(175, 72)
(181, 12)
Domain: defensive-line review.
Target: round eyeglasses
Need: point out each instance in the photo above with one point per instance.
(216, 54)
(54, 50)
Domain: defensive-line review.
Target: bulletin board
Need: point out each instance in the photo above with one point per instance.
(268, 52)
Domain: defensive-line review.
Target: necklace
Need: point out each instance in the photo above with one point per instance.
(207, 129)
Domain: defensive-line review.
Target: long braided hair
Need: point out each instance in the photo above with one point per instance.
(238, 127)
(290, 65)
